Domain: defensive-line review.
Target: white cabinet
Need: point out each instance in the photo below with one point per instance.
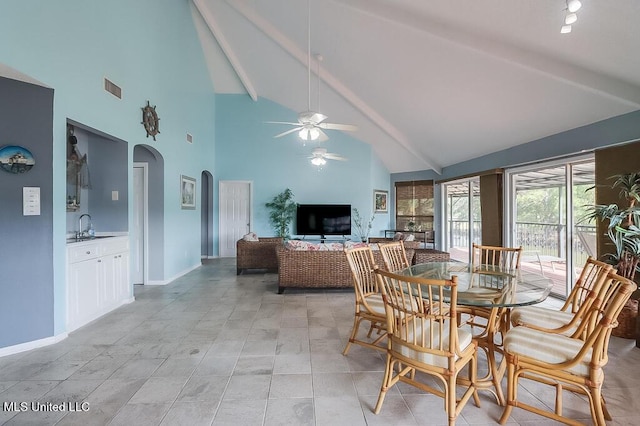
(82, 296)
(97, 279)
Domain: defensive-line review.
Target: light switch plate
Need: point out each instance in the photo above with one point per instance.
(31, 201)
(114, 195)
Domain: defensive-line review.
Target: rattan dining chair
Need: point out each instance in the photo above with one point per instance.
(507, 258)
(368, 300)
(567, 363)
(394, 256)
(424, 337)
(567, 319)
(487, 323)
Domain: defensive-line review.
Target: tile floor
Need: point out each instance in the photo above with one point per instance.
(215, 348)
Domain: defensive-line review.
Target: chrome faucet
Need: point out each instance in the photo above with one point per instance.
(81, 231)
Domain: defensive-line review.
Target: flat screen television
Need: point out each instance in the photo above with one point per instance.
(323, 219)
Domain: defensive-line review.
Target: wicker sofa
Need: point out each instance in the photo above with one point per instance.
(317, 269)
(259, 254)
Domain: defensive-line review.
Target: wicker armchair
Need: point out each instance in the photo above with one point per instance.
(259, 254)
(565, 363)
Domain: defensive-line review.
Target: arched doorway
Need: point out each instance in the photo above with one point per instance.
(206, 241)
(147, 229)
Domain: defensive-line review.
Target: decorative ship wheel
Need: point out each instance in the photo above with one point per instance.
(150, 120)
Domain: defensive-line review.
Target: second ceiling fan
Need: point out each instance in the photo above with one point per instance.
(311, 124)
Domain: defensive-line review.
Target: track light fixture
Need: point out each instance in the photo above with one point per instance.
(574, 5)
(571, 17)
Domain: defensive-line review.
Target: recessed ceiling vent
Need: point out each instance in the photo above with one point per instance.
(113, 88)
(189, 138)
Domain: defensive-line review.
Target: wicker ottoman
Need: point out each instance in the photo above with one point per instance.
(430, 255)
(257, 254)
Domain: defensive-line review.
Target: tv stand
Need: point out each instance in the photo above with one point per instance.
(324, 238)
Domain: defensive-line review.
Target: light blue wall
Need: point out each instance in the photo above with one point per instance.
(246, 150)
(148, 47)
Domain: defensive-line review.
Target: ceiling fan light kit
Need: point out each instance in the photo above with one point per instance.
(309, 133)
(319, 157)
(310, 124)
(318, 161)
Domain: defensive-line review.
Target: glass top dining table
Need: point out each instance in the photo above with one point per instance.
(487, 285)
(495, 291)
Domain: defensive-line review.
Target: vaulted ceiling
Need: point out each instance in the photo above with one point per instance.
(430, 83)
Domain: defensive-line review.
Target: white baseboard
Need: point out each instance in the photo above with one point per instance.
(22, 347)
(153, 282)
(175, 277)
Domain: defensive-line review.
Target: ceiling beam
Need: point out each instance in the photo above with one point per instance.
(226, 48)
(549, 66)
(292, 48)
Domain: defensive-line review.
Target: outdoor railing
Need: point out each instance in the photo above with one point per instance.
(459, 233)
(542, 238)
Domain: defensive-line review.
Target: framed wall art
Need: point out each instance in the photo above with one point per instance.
(16, 159)
(187, 192)
(380, 198)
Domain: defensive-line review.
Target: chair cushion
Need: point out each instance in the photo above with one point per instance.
(464, 339)
(542, 317)
(376, 304)
(551, 348)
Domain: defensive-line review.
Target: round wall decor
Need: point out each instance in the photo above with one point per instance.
(150, 120)
(16, 159)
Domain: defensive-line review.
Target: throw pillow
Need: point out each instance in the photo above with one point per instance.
(410, 237)
(351, 244)
(399, 236)
(251, 236)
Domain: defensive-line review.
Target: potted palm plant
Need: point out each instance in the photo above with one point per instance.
(623, 229)
(282, 210)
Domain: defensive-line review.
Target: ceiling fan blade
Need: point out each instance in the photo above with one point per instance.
(323, 136)
(295, 129)
(282, 122)
(335, 126)
(331, 156)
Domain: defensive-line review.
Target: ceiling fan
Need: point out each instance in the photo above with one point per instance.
(319, 157)
(311, 124)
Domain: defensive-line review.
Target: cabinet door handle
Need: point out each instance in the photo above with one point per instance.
(88, 252)
(99, 260)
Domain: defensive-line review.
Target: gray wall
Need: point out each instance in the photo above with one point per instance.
(107, 161)
(206, 214)
(616, 130)
(26, 247)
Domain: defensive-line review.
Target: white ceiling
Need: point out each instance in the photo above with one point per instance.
(431, 83)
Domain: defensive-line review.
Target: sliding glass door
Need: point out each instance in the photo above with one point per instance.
(462, 217)
(545, 209)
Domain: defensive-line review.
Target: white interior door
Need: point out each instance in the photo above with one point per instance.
(235, 214)
(139, 228)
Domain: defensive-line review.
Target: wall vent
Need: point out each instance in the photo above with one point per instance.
(189, 138)
(112, 88)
